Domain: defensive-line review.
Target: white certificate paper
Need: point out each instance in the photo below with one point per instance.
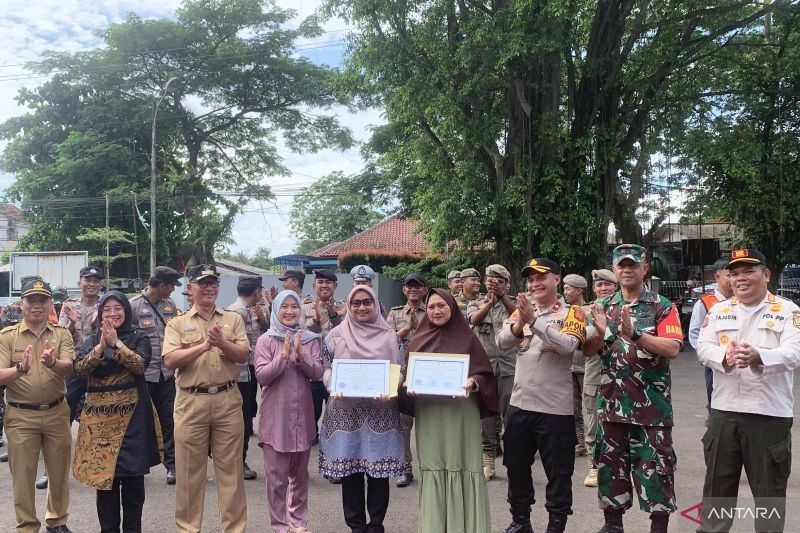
(440, 374)
(360, 378)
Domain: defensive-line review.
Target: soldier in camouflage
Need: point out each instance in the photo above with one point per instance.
(637, 333)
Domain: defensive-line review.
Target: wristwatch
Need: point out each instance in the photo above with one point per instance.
(19, 369)
(636, 335)
(119, 344)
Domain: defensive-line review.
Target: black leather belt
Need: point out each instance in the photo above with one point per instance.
(36, 406)
(216, 389)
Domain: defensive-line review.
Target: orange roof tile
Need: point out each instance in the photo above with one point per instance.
(393, 234)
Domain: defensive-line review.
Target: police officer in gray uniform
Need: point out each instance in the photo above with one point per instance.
(151, 310)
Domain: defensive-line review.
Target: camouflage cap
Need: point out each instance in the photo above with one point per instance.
(470, 273)
(634, 252)
(603, 274)
(498, 271)
(747, 256)
(454, 274)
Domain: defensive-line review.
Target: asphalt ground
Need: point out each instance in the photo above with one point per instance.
(325, 499)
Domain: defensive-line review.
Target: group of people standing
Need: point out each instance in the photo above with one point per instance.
(548, 374)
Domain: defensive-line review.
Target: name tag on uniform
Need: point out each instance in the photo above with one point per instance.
(189, 329)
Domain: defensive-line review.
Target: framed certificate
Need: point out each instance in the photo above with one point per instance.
(360, 378)
(440, 374)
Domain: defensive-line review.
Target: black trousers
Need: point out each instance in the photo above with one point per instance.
(131, 490)
(553, 436)
(319, 394)
(163, 396)
(247, 412)
(353, 502)
(76, 389)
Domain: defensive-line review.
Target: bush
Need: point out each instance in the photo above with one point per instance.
(376, 259)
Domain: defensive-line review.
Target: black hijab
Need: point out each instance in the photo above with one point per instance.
(132, 338)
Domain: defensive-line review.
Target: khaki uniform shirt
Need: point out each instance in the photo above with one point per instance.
(323, 324)
(40, 384)
(503, 360)
(399, 317)
(593, 366)
(543, 382)
(253, 330)
(773, 327)
(146, 319)
(84, 326)
(462, 301)
(212, 368)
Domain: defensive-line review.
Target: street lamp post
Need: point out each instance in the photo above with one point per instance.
(153, 178)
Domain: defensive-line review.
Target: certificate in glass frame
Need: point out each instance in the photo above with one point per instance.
(438, 374)
(360, 378)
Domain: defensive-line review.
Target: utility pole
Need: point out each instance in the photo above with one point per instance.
(108, 249)
(136, 237)
(153, 177)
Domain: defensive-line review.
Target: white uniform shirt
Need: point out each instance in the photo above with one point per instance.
(773, 327)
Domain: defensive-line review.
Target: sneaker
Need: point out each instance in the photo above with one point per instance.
(249, 473)
(171, 476)
(41, 483)
(488, 467)
(333, 480)
(513, 527)
(591, 478)
(4, 457)
(405, 480)
(581, 451)
(2, 441)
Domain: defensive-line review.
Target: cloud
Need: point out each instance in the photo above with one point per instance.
(32, 27)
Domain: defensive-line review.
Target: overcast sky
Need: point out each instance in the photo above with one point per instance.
(31, 27)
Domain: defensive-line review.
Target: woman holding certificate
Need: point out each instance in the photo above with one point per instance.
(361, 436)
(452, 493)
(286, 359)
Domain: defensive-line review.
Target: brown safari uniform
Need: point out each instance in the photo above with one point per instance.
(399, 317)
(37, 421)
(208, 410)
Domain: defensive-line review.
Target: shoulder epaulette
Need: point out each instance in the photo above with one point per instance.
(73, 299)
(397, 307)
(8, 328)
(308, 300)
(135, 297)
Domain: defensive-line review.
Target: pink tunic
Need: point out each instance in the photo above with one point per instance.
(286, 419)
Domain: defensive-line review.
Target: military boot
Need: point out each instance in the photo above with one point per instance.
(659, 522)
(488, 466)
(613, 521)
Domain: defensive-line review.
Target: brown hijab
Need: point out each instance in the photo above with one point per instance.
(457, 337)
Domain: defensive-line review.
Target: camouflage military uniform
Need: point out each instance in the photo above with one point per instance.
(635, 409)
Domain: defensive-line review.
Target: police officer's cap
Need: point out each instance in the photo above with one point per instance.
(325, 274)
(95, 271)
(454, 274)
(541, 265)
(36, 286)
(416, 278)
(165, 274)
(470, 273)
(250, 282)
(603, 274)
(362, 273)
(746, 256)
(201, 272)
(574, 280)
(292, 274)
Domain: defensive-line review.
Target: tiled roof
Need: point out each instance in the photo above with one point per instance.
(394, 234)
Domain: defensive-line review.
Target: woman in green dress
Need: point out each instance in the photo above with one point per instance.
(453, 497)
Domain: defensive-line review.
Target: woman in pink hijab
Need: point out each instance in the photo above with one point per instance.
(362, 436)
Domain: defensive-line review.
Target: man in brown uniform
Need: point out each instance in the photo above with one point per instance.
(486, 316)
(35, 357)
(574, 294)
(454, 282)
(151, 310)
(204, 346)
(405, 320)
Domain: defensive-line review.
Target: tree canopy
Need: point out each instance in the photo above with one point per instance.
(239, 88)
